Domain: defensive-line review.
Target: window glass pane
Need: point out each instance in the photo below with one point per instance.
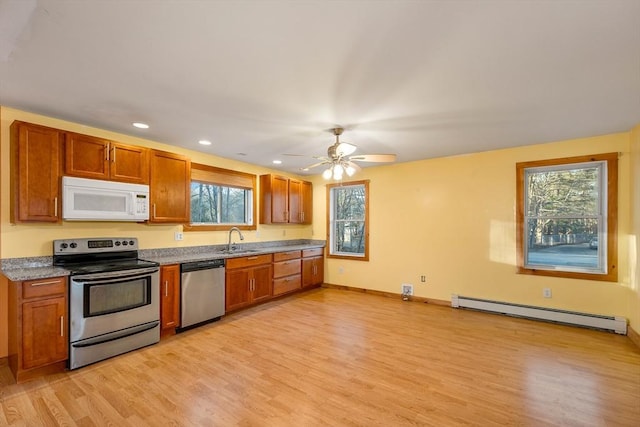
(349, 237)
(233, 205)
(563, 192)
(567, 242)
(349, 202)
(215, 204)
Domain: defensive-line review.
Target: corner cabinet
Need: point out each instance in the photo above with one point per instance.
(169, 299)
(96, 158)
(312, 267)
(285, 201)
(169, 186)
(38, 327)
(248, 281)
(36, 158)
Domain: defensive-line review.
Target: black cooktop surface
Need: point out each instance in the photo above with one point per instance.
(107, 266)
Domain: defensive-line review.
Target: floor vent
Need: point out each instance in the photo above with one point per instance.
(609, 323)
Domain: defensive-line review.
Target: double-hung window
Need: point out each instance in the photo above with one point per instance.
(221, 198)
(566, 217)
(348, 220)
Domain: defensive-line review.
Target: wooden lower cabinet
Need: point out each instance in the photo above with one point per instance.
(169, 299)
(312, 267)
(248, 281)
(38, 327)
(286, 272)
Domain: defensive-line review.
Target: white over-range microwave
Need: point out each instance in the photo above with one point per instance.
(97, 200)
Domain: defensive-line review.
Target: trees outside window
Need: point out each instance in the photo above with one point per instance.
(348, 224)
(567, 217)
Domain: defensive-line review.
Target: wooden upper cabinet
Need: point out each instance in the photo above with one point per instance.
(35, 172)
(169, 187)
(284, 200)
(274, 199)
(300, 202)
(92, 157)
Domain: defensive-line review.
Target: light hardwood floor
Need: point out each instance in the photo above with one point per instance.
(330, 357)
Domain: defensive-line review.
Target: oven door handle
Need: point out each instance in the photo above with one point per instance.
(110, 277)
(116, 335)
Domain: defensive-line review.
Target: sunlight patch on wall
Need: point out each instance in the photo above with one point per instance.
(502, 242)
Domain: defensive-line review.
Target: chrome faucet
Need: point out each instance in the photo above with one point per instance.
(239, 233)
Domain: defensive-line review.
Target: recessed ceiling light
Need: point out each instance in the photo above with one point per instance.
(204, 142)
(141, 125)
(277, 162)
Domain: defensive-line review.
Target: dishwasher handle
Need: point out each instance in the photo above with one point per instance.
(201, 265)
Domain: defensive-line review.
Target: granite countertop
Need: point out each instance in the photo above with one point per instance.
(180, 258)
(18, 269)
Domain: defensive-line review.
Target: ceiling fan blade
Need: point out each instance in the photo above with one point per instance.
(315, 165)
(381, 158)
(344, 149)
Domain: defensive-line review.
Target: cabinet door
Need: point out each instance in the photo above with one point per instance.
(128, 163)
(262, 283)
(238, 292)
(170, 296)
(312, 271)
(44, 325)
(169, 187)
(86, 156)
(35, 172)
(306, 202)
(295, 201)
(274, 199)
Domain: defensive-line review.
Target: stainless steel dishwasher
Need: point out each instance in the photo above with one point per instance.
(201, 292)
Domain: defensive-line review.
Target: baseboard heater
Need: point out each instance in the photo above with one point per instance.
(610, 323)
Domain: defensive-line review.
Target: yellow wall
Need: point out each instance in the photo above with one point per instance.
(453, 220)
(634, 237)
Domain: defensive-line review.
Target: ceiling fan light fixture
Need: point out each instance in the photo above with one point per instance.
(350, 170)
(328, 173)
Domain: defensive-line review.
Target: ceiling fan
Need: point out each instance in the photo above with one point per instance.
(341, 161)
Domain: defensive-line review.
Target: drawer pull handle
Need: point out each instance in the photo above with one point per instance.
(251, 258)
(166, 288)
(61, 326)
(33, 285)
(55, 206)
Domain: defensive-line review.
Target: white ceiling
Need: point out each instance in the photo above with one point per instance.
(263, 79)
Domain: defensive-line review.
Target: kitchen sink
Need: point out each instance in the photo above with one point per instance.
(238, 251)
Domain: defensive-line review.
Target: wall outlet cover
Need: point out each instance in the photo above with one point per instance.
(407, 289)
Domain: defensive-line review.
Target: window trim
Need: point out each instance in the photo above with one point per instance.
(226, 178)
(358, 257)
(611, 214)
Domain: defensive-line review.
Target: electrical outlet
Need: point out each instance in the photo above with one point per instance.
(340, 270)
(423, 279)
(178, 236)
(546, 292)
(407, 289)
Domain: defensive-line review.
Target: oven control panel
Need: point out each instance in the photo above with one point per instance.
(87, 246)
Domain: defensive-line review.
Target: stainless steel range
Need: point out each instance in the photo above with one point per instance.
(114, 297)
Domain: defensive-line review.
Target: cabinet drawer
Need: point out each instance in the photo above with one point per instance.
(312, 252)
(248, 261)
(44, 287)
(286, 268)
(286, 284)
(282, 256)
